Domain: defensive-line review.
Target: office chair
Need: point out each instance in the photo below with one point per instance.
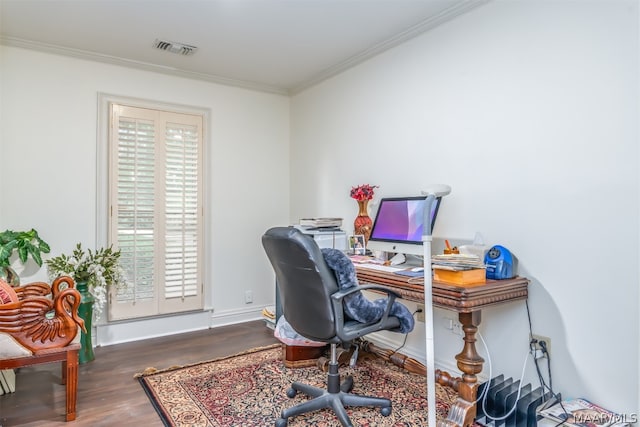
(312, 303)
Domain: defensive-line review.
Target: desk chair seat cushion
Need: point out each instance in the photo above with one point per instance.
(356, 305)
(287, 335)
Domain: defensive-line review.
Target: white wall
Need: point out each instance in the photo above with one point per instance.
(48, 173)
(529, 111)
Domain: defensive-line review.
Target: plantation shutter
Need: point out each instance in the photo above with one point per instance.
(156, 214)
(182, 219)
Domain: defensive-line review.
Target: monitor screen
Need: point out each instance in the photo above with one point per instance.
(400, 220)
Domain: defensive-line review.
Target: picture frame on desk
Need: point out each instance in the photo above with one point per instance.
(357, 245)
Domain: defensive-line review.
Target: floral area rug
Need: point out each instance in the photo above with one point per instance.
(249, 389)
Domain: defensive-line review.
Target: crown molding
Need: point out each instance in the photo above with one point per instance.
(414, 31)
(129, 63)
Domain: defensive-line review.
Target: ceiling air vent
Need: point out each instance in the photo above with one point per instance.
(173, 47)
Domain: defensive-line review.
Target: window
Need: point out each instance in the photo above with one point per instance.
(156, 215)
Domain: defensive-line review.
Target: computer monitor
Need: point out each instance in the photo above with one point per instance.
(399, 224)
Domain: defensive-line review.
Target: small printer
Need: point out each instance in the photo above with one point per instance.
(499, 263)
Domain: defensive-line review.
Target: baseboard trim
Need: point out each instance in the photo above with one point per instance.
(153, 327)
(231, 317)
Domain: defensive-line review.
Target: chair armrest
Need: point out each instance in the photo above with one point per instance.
(391, 295)
(344, 292)
(383, 323)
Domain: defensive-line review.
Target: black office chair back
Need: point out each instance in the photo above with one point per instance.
(305, 282)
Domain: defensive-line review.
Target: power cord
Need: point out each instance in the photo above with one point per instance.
(404, 342)
(545, 353)
(532, 352)
(484, 393)
(532, 342)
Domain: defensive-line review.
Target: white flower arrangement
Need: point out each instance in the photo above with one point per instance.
(99, 269)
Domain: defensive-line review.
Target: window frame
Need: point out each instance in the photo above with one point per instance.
(104, 201)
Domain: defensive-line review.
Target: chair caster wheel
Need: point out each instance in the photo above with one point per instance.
(281, 422)
(385, 411)
(291, 393)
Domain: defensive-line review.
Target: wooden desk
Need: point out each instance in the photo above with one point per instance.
(467, 301)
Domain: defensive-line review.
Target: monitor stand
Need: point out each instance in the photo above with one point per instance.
(413, 261)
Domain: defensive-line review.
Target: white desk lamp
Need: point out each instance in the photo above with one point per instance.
(433, 191)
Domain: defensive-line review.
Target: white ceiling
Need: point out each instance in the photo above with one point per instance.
(279, 46)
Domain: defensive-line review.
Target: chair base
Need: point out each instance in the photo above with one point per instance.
(335, 397)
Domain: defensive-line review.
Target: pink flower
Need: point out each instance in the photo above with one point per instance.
(362, 192)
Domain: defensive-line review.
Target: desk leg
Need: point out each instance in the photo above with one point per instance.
(463, 411)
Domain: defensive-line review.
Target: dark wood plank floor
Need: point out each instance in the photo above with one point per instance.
(108, 395)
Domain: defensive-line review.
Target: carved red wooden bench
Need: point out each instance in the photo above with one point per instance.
(37, 328)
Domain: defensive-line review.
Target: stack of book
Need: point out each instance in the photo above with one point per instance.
(582, 413)
(7, 381)
(459, 269)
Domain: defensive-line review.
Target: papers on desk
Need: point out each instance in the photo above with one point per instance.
(457, 262)
(408, 272)
(363, 259)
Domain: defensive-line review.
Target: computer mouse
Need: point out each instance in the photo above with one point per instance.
(417, 269)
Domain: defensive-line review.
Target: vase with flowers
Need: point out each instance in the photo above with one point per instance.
(362, 224)
(94, 273)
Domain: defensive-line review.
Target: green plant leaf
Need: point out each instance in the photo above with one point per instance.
(5, 253)
(44, 246)
(23, 251)
(25, 242)
(35, 254)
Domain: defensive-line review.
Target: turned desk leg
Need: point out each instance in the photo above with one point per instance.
(463, 411)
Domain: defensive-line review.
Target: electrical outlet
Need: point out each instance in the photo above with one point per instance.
(420, 314)
(248, 297)
(537, 339)
(453, 326)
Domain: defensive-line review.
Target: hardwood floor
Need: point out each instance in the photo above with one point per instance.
(108, 395)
